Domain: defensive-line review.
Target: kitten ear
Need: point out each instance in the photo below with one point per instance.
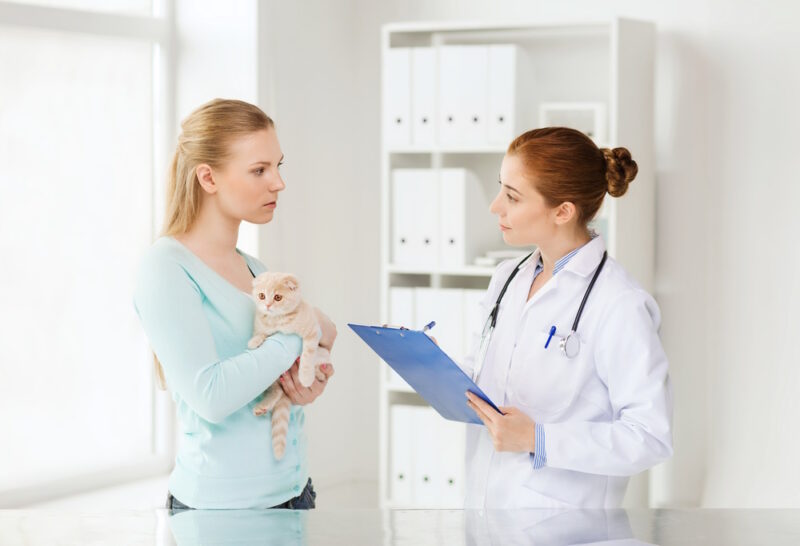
(291, 282)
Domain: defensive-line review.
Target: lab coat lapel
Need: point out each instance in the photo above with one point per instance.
(583, 263)
(588, 258)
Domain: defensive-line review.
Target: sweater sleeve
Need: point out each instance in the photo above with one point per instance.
(170, 308)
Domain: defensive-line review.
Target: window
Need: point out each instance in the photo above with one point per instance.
(82, 127)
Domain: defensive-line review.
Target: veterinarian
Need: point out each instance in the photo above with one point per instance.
(570, 344)
(193, 299)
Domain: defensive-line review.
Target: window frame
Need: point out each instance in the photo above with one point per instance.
(159, 29)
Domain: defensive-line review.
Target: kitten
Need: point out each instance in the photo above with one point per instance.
(280, 308)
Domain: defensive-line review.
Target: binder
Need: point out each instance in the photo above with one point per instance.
(463, 88)
(452, 463)
(475, 315)
(423, 96)
(415, 220)
(502, 120)
(427, 466)
(397, 97)
(468, 229)
(401, 313)
(446, 305)
(425, 367)
(401, 440)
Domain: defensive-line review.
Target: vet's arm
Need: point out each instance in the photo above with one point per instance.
(169, 306)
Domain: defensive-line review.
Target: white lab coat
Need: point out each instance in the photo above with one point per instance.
(607, 413)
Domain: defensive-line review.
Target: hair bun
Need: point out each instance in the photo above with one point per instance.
(621, 169)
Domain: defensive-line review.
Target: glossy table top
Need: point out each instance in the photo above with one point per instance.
(413, 527)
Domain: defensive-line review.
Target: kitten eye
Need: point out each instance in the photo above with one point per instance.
(261, 296)
(278, 297)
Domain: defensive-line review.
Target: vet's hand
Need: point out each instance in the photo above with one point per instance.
(328, 330)
(511, 431)
(297, 393)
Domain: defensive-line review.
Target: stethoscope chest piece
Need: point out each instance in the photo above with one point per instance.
(570, 345)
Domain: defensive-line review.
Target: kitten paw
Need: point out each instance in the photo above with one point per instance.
(255, 342)
(306, 376)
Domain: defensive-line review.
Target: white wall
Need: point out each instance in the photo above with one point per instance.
(325, 226)
(753, 169)
(217, 52)
(726, 259)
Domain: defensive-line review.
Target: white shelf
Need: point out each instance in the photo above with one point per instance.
(437, 150)
(465, 271)
(552, 25)
(607, 61)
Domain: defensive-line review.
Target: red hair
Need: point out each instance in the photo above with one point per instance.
(566, 165)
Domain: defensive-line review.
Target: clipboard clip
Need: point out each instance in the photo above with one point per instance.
(391, 326)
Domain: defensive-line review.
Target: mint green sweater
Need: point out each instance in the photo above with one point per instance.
(198, 325)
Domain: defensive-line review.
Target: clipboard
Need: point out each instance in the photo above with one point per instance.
(428, 369)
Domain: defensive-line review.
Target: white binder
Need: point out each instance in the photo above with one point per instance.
(415, 217)
(401, 313)
(474, 319)
(468, 229)
(402, 455)
(427, 488)
(463, 89)
(502, 120)
(423, 96)
(451, 438)
(397, 97)
(443, 305)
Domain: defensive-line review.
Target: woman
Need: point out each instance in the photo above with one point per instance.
(193, 300)
(582, 411)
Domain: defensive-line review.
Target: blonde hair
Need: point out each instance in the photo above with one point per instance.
(206, 135)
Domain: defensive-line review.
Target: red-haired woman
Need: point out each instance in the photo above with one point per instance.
(570, 347)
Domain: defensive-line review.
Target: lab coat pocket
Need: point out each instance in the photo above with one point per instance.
(544, 381)
(572, 489)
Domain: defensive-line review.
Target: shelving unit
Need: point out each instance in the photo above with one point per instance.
(607, 62)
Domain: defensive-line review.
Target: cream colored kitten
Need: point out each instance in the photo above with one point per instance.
(280, 308)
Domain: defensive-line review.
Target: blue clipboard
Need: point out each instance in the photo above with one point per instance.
(424, 366)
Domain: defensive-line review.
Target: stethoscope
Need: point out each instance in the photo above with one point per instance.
(570, 345)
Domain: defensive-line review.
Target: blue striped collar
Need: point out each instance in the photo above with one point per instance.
(564, 260)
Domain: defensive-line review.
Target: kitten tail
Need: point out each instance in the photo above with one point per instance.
(280, 426)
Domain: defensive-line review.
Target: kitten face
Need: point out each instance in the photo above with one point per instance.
(276, 293)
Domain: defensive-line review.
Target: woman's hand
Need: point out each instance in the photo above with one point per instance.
(297, 393)
(328, 330)
(512, 431)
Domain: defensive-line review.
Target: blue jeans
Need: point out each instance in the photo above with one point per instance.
(304, 501)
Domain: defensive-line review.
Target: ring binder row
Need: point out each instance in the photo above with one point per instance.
(427, 462)
(457, 314)
(440, 218)
(450, 96)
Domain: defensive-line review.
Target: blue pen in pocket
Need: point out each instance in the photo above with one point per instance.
(549, 337)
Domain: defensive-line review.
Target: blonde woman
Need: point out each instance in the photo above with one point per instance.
(193, 300)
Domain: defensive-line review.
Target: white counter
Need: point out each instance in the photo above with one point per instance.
(402, 527)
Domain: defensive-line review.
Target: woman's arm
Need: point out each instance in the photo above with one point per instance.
(169, 305)
(632, 364)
